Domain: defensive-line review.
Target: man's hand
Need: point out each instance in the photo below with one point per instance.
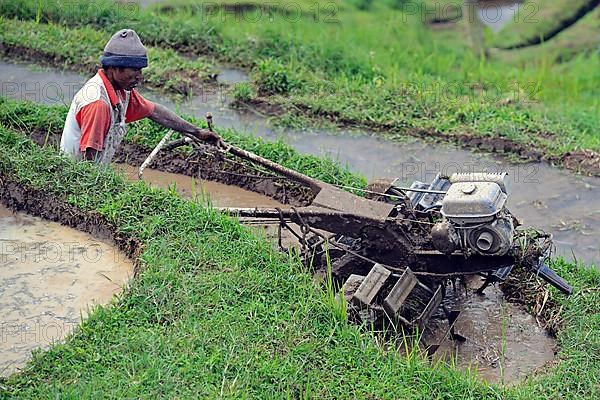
(212, 138)
(169, 119)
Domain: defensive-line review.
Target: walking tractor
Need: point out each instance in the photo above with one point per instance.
(394, 249)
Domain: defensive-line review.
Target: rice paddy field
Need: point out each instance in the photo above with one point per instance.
(213, 310)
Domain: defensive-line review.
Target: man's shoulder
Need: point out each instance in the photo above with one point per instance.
(92, 91)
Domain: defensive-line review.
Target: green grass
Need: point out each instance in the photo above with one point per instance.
(27, 117)
(578, 40)
(216, 312)
(393, 74)
(80, 49)
(271, 9)
(536, 20)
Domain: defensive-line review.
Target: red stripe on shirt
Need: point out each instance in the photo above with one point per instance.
(138, 107)
(94, 122)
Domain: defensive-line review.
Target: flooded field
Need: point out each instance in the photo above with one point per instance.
(50, 276)
(504, 343)
(542, 196)
(222, 271)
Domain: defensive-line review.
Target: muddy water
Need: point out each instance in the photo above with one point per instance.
(497, 13)
(50, 276)
(542, 196)
(217, 194)
(232, 76)
(503, 342)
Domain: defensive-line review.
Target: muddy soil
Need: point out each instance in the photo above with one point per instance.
(51, 275)
(217, 194)
(504, 343)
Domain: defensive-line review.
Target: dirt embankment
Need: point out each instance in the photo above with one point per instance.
(584, 161)
(209, 164)
(19, 197)
(290, 11)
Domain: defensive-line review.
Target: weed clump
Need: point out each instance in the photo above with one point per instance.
(243, 92)
(272, 77)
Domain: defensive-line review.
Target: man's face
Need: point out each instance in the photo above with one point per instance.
(126, 78)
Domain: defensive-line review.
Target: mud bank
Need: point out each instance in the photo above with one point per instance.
(209, 165)
(52, 275)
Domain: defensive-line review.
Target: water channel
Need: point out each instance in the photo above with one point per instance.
(497, 13)
(50, 276)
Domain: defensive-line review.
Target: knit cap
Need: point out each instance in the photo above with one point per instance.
(124, 49)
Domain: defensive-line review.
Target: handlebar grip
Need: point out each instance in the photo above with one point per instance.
(552, 278)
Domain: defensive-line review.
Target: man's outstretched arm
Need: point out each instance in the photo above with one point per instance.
(167, 118)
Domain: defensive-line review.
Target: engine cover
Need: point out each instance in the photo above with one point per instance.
(469, 202)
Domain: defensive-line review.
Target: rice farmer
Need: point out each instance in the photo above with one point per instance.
(96, 122)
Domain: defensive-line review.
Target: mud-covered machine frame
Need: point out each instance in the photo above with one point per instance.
(395, 248)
